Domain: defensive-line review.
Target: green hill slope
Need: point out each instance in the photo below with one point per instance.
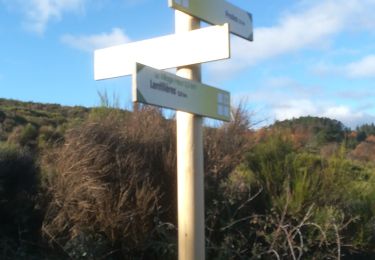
(32, 124)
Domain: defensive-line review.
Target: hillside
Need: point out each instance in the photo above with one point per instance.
(36, 125)
(32, 124)
(313, 129)
(100, 183)
(324, 136)
(29, 123)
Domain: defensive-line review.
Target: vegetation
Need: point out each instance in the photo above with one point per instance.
(78, 183)
(36, 125)
(110, 186)
(20, 218)
(283, 204)
(364, 131)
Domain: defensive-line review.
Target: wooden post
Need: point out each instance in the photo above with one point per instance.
(190, 176)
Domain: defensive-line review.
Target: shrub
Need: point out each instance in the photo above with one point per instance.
(20, 220)
(112, 181)
(225, 146)
(365, 151)
(24, 136)
(2, 116)
(49, 136)
(289, 205)
(8, 124)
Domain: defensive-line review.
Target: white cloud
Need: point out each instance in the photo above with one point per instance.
(339, 112)
(274, 90)
(281, 98)
(363, 68)
(294, 109)
(313, 27)
(347, 116)
(38, 13)
(297, 108)
(360, 95)
(92, 42)
(364, 19)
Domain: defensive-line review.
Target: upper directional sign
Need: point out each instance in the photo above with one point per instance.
(218, 12)
(176, 50)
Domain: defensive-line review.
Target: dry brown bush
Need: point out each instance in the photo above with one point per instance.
(112, 177)
(365, 151)
(226, 146)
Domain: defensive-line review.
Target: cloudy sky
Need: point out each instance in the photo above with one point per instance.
(308, 57)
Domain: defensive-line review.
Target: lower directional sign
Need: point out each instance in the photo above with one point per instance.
(160, 88)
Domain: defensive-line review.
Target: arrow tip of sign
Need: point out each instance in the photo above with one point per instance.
(251, 37)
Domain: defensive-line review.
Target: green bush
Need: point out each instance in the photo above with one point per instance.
(24, 136)
(28, 134)
(288, 205)
(49, 136)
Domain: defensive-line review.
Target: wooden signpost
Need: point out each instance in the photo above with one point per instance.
(186, 50)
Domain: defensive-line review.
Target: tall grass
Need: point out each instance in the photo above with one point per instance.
(113, 178)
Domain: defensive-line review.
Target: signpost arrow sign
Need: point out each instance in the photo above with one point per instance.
(176, 50)
(160, 88)
(218, 12)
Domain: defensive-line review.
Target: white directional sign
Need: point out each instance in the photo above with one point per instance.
(218, 12)
(160, 88)
(198, 46)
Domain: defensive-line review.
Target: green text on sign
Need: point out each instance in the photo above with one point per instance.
(164, 89)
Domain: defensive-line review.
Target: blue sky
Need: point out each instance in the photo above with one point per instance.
(308, 58)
